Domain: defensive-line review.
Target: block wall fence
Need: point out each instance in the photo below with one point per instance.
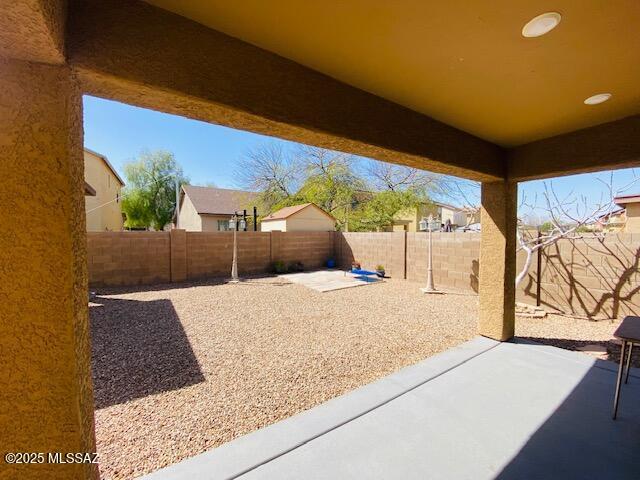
(595, 277)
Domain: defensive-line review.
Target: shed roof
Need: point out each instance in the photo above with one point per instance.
(287, 212)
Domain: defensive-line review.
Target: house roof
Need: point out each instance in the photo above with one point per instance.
(610, 214)
(222, 201)
(107, 163)
(623, 200)
(447, 206)
(287, 212)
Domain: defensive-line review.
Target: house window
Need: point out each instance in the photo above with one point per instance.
(117, 197)
(223, 225)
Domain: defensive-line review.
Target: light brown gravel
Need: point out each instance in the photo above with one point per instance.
(574, 334)
(178, 371)
(181, 369)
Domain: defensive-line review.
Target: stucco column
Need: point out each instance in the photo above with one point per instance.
(498, 260)
(46, 402)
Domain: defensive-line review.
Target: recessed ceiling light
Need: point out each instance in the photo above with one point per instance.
(542, 24)
(599, 98)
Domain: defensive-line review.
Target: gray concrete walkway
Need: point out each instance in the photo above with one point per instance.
(482, 410)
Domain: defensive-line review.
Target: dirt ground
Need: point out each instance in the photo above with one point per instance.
(180, 369)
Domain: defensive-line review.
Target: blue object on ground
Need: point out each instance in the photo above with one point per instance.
(364, 274)
(331, 263)
(357, 271)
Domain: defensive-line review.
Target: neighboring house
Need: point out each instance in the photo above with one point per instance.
(611, 222)
(207, 209)
(307, 217)
(103, 188)
(631, 204)
(624, 219)
(408, 220)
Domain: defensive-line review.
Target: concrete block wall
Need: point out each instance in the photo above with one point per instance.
(128, 258)
(592, 277)
(210, 254)
(596, 277)
(136, 258)
(455, 259)
(313, 249)
(371, 249)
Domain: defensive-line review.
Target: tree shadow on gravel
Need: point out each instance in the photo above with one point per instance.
(138, 349)
(613, 349)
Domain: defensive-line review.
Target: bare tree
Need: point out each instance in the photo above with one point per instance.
(567, 217)
(389, 176)
(269, 169)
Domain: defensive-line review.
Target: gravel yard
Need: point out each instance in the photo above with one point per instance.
(180, 369)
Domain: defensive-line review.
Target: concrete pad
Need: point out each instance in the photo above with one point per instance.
(329, 280)
(482, 411)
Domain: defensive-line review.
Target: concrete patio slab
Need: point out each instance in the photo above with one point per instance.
(328, 280)
(481, 410)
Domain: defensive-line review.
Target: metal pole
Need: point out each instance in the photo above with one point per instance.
(244, 216)
(430, 288)
(177, 201)
(234, 262)
(430, 266)
(538, 271)
(255, 218)
(616, 397)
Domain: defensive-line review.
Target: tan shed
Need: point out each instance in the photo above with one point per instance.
(307, 217)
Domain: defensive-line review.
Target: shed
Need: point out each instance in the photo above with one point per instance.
(306, 217)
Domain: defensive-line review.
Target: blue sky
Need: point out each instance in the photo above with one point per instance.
(208, 153)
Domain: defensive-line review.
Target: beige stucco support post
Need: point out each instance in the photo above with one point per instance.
(498, 260)
(46, 400)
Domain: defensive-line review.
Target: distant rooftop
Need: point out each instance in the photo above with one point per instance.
(623, 200)
(219, 201)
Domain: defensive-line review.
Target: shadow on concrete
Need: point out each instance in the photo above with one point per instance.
(579, 440)
(138, 349)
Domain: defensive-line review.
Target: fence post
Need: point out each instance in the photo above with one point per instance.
(178, 248)
(275, 245)
(404, 255)
(538, 270)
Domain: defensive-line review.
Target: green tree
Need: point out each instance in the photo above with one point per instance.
(382, 208)
(331, 181)
(150, 198)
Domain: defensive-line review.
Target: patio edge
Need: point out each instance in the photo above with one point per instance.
(249, 451)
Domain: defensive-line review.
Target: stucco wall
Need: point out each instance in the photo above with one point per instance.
(103, 213)
(46, 403)
(188, 218)
(632, 224)
(309, 219)
(210, 222)
(273, 225)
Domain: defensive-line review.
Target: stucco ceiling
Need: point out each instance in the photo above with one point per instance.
(463, 62)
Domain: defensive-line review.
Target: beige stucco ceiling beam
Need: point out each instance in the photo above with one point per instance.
(33, 30)
(136, 53)
(608, 146)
